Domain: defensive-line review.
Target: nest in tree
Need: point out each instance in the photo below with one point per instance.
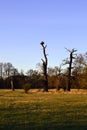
(42, 43)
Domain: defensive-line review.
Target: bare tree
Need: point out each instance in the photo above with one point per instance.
(7, 69)
(14, 72)
(71, 57)
(45, 63)
(1, 70)
(10, 71)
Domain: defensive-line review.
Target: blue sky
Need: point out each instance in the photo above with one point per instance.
(25, 23)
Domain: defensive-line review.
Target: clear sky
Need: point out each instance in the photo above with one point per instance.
(25, 23)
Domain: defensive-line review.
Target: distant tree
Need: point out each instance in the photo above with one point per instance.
(30, 72)
(51, 71)
(61, 78)
(7, 69)
(52, 78)
(9, 72)
(80, 71)
(45, 63)
(39, 67)
(1, 70)
(22, 72)
(34, 78)
(56, 78)
(79, 63)
(14, 72)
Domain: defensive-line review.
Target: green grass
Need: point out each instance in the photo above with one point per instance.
(43, 111)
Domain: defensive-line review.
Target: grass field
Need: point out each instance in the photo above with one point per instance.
(43, 111)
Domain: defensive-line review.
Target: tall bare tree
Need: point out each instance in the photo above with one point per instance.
(71, 57)
(45, 63)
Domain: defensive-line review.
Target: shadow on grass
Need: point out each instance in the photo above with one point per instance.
(34, 126)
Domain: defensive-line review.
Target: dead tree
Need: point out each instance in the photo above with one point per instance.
(70, 66)
(45, 62)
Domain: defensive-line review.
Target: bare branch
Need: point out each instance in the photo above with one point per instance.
(67, 49)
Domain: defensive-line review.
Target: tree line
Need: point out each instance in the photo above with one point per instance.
(71, 73)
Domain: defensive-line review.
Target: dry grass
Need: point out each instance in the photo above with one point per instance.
(61, 91)
(38, 110)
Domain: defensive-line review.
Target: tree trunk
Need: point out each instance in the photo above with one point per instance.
(45, 62)
(69, 75)
(12, 85)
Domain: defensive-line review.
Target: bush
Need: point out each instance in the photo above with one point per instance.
(26, 87)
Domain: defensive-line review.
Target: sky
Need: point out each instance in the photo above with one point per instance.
(25, 23)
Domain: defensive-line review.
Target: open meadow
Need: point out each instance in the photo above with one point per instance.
(39, 110)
